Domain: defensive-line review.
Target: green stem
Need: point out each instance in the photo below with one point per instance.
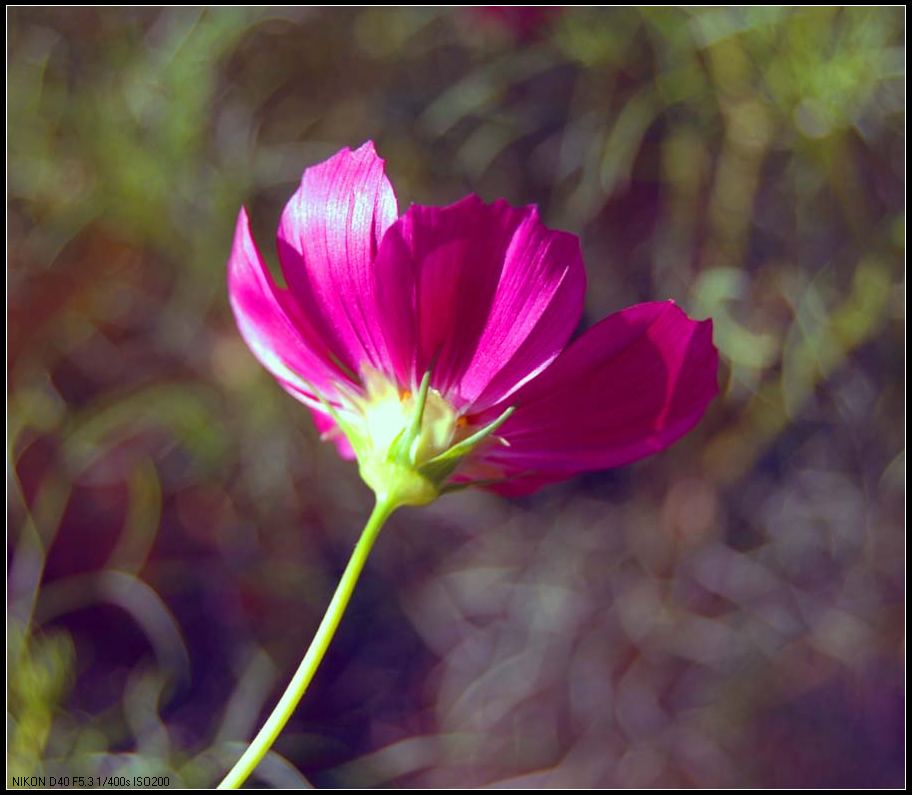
(295, 690)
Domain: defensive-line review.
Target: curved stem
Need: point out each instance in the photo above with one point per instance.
(295, 690)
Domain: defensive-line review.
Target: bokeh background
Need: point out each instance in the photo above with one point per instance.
(730, 612)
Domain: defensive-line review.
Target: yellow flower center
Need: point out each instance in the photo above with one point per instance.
(408, 444)
(386, 413)
(394, 432)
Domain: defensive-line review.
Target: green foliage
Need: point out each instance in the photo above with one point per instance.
(40, 672)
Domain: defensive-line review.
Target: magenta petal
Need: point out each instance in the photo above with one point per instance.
(329, 431)
(484, 295)
(328, 238)
(629, 387)
(272, 325)
(519, 484)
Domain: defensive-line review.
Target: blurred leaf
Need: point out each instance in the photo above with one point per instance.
(40, 670)
(188, 411)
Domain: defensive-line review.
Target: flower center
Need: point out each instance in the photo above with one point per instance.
(386, 415)
(408, 444)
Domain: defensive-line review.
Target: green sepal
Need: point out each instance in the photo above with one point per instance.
(451, 488)
(442, 466)
(402, 448)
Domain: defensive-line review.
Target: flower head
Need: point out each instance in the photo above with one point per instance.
(431, 346)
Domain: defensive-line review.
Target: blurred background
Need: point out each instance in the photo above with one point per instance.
(728, 613)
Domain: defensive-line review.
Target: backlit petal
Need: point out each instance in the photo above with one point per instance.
(273, 326)
(482, 294)
(628, 387)
(328, 239)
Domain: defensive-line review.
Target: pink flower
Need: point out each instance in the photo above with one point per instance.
(433, 346)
